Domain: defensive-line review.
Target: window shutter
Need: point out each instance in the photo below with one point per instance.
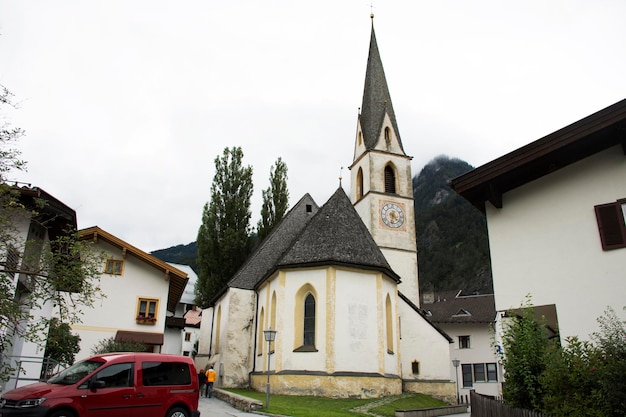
(611, 225)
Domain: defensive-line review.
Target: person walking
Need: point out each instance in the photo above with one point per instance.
(202, 381)
(210, 378)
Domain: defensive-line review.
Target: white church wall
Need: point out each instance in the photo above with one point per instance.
(422, 343)
(236, 337)
(294, 281)
(358, 323)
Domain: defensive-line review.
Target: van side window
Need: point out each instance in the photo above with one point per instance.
(165, 373)
(119, 375)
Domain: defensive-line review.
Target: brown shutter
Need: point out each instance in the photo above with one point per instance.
(611, 226)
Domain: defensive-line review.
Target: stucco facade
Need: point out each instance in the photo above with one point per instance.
(551, 221)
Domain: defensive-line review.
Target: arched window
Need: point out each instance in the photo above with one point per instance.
(309, 321)
(260, 337)
(305, 319)
(390, 180)
(273, 316)
(217, 329)
(387, 135)
(359, 184)
(389, 324)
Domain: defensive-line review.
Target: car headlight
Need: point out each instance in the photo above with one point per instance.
(31, 402)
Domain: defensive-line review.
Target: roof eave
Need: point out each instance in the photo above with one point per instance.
(594, 133)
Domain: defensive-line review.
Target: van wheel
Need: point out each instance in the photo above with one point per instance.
(63, 413)
(177, 412)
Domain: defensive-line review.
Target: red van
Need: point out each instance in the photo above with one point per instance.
(112, 385)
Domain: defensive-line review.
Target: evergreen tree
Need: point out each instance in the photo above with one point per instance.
(224, 237)
(275, 200)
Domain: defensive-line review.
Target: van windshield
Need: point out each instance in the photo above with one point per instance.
(75, 373)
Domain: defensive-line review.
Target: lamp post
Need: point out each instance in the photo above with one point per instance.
(270, 336)
(456, 364)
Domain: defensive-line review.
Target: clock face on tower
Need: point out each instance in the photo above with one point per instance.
(392, 215)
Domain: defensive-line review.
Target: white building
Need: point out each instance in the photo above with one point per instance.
(469, 320)
(142, 296)
(555, 212)
(28, 236)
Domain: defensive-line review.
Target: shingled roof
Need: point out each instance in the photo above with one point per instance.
(337, 235)
(453, 307)
(376, 99)
(263, 261)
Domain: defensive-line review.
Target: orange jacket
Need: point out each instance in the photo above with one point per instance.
(210, 375)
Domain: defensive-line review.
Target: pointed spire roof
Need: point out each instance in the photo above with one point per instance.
(337, 235)
(376, 98)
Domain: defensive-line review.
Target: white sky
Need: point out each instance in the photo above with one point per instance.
(127, 103)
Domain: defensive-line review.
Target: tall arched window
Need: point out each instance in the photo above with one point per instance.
(260, 337)
(359, 184)
(218, 329)
(273, 317)
(390, 180)
(389, 324)
(387, 135)
(305, 319)
(309, 320)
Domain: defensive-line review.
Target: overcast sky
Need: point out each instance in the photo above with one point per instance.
(126, 104)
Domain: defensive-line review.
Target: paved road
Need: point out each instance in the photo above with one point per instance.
(212, 407)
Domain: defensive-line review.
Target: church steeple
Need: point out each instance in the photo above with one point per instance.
(381, 183)
(376, 98)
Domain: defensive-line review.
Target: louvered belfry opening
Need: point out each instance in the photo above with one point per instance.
(390, 180)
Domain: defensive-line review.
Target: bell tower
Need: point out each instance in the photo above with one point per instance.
(381, 186)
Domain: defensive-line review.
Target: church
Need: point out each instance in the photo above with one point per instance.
(338, 283)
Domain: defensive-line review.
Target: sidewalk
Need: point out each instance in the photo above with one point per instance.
(213, 407)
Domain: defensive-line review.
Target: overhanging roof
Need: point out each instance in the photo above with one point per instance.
(140, 337)
(177, 278)
(588, 136)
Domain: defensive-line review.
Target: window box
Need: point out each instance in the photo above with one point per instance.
(145, 320)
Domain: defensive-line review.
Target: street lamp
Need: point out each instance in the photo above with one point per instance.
(456, 364)
(270, 336)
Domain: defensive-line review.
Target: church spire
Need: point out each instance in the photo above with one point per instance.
(376, 98)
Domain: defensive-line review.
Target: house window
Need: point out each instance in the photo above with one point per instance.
(611, 220)
(309, 320)
(390, 180)
(479, 372)
(466, 369)
(147, 309)
(464, 342)
(187, 336)
(114, 267)
(492, 372)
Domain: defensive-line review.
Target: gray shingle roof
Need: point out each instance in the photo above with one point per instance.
(376, 98)
(337, 235)
(452, 307)
(264, 259)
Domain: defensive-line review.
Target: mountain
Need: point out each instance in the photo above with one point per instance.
(179, 254)
(452, 241)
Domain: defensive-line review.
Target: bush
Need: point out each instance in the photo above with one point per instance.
(111, 345)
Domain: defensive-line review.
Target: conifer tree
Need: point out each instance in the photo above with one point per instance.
(224, 236)
(275, 200)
